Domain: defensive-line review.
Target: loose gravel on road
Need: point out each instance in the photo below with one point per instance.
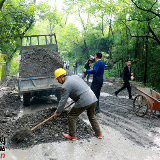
(116, 112)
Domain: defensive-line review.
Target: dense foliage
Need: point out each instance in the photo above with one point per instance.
(119, 29)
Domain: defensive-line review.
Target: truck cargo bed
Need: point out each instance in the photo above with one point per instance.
(37, 84)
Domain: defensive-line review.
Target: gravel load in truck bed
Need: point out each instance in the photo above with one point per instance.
(39, 62)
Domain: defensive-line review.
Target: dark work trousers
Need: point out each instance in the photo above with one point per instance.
(85, 74)
(75, 112)
(126, 85)
(96, 88)
(75, 70)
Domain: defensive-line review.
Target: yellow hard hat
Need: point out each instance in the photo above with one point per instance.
(58, 72)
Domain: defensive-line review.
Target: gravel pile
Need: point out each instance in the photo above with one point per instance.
(50, 131)
(9, 102)
(9, 108)
(39, 62)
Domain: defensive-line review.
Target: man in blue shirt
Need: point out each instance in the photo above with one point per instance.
(98, 71)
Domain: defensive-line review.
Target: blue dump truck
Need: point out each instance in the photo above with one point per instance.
(38, 86)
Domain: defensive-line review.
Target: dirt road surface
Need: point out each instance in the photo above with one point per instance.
(125, 135)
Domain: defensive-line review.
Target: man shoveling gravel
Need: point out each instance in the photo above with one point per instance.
(75, 88)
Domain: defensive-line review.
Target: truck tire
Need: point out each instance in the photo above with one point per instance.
(58, 94)
(26, 99)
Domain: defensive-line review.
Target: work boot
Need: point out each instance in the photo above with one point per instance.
(69, 137)
(98, 136)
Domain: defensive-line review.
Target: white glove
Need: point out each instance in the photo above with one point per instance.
(132, 78)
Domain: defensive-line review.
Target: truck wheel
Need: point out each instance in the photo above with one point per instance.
(26, 99)
(58, 94)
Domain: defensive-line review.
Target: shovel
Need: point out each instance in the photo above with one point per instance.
(23, 133)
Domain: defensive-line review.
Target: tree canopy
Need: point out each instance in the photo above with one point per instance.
(120, 29)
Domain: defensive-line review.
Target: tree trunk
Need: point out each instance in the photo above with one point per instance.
(1, 4)
(136, 47)
(86, 50)
(102, 26)
(127, 42)
(145, 65)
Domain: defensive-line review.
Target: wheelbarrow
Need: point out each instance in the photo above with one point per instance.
(146, 100)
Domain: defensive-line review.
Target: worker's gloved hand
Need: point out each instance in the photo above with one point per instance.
(55, 114)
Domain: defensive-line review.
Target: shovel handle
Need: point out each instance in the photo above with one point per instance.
(68, 106)
(50, 117)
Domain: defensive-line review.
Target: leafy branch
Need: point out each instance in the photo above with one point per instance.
(134, 35)
(147, 10)
(142, 20)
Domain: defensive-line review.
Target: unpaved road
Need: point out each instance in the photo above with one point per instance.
(125, 135)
